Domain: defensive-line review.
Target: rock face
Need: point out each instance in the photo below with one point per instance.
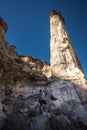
(64, 60)
(37, 65)
(21, 77)
(4, 47)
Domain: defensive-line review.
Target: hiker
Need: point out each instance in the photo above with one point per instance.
(42, 100)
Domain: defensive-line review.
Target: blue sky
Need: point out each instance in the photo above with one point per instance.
(29, 26)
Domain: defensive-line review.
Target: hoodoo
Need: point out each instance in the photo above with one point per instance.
(64, 60)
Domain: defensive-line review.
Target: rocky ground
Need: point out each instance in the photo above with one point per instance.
(26, 116)
(19, 106)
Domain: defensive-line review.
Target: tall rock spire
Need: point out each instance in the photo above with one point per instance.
(64, 60)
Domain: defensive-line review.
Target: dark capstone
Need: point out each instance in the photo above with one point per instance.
(54, 12)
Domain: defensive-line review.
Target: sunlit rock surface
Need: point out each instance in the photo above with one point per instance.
(64, 60)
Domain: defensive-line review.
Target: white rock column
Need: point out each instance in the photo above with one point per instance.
(64, 61)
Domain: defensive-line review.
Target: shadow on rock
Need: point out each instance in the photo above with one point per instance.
(13, 122)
